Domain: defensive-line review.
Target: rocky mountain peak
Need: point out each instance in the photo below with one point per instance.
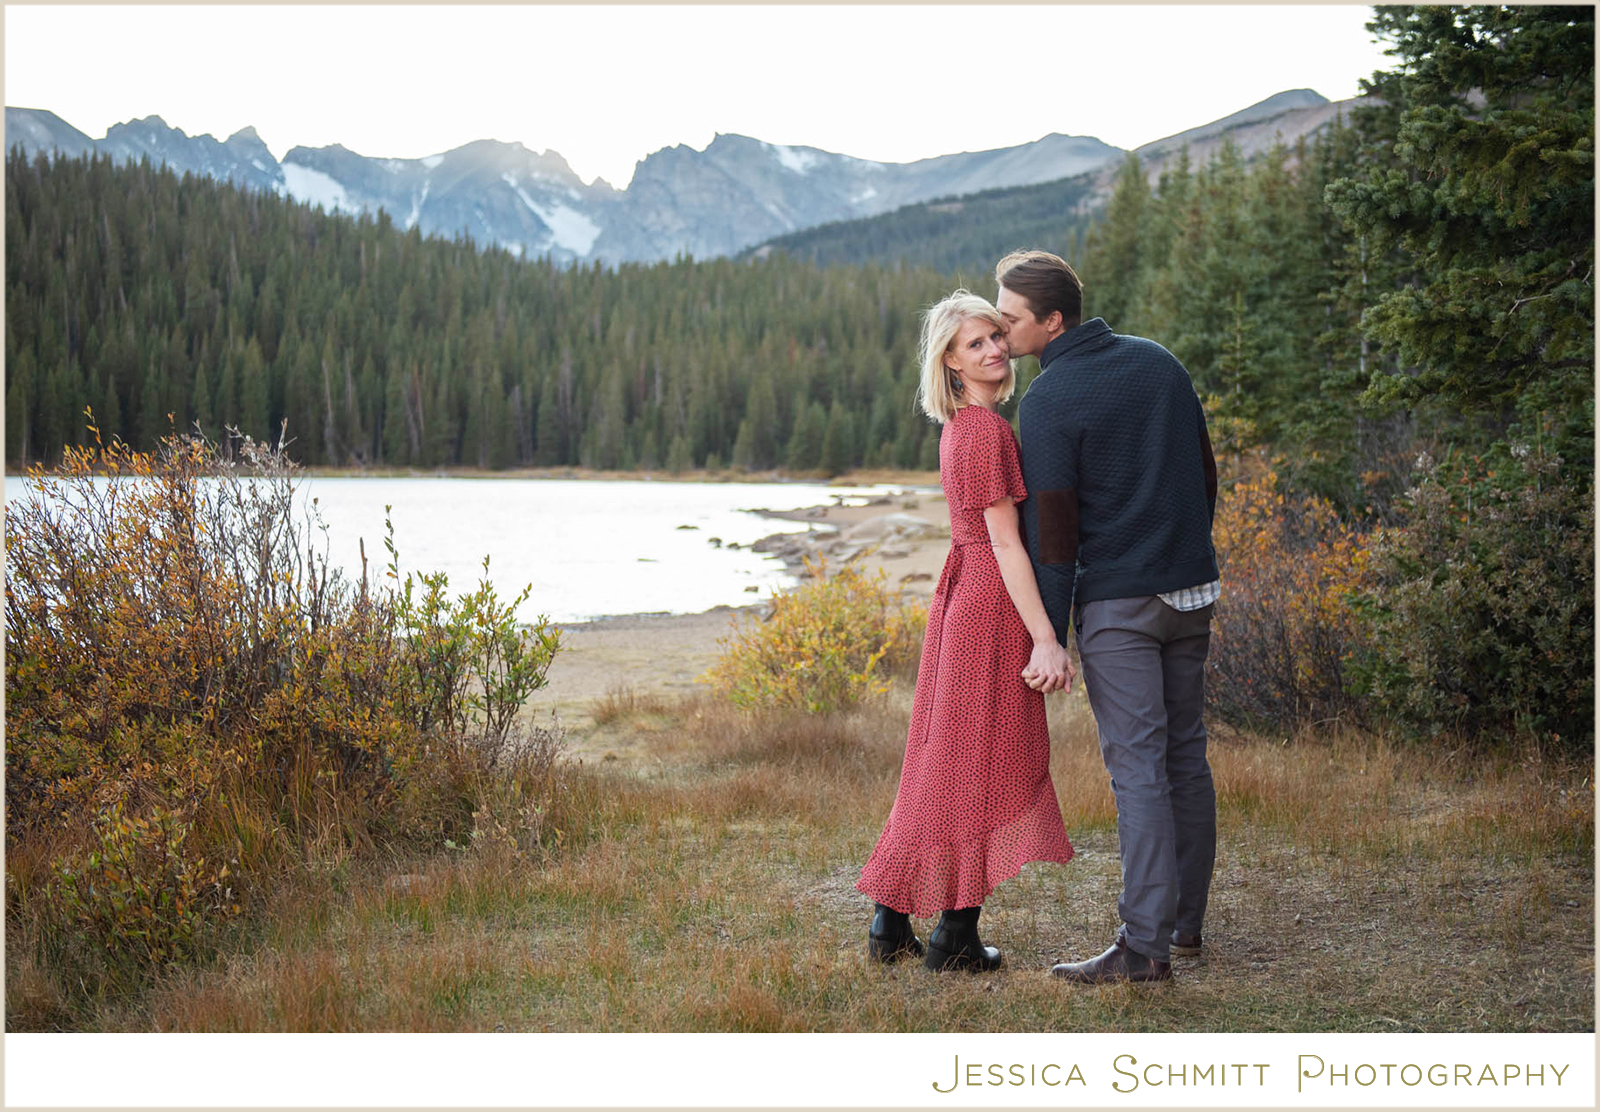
(1294, 98)
(738, 191)
(151, 123)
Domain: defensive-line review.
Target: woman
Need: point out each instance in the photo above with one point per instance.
(975, 800)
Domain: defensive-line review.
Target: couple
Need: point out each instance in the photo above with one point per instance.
(1117, 487)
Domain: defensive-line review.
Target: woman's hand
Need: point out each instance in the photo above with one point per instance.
(1049, 668)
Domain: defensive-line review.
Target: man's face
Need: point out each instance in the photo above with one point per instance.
(1024, 332)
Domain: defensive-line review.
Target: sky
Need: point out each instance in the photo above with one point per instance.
(607, 85)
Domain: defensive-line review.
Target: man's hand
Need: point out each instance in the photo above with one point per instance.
(1049, 668)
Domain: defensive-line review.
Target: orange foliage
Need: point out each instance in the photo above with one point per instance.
(1284, 635)
(196, 700)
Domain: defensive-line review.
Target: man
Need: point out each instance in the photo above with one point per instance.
(1122, 487)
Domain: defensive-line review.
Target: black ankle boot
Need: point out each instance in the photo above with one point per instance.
(954, 943)
(890, 937)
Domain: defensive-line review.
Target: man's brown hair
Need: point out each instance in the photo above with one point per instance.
(1045, 282)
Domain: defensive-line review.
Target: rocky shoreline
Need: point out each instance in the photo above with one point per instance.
(906, 537)
(842, 534)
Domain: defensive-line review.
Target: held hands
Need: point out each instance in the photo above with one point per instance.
(1049, 668)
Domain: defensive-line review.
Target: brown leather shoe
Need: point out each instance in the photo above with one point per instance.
(1185, 945)
(1117, 964)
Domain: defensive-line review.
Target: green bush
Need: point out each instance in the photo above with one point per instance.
(1481, 606)
(826, 644)
(467, 662)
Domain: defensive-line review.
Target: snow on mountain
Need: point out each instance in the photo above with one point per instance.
(314, 187)
(570, 230)
(573, 230)
(416, 206)
(798, 159)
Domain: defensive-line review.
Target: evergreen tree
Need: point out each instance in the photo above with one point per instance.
(743, 451)
(226, 403)
(368, 400)
(328, 366)
(1114, 274)
(202, 412)
(1166, 214)
(396, 443)
(838, 449)
(762, 413)
(603, 441)
(252, 417)
(1480, 174)
(21, 405)
(549, 438)
(908, 443)
(649, 450)
(300, 393)
(1238, 363)
(804, 452)
(1491, 192)
(109, 411)
(679, 458)
(153, 422)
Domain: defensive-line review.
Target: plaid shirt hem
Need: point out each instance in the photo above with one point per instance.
(1193, 598)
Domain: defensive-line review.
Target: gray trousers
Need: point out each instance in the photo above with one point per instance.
(1144, 669)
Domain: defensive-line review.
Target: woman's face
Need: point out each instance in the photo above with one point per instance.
(979, 354)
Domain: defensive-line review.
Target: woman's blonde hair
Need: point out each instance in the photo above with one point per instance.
(939, 393)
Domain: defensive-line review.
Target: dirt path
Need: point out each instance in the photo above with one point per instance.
(650, 654)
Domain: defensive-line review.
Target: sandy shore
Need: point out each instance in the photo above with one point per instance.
(907, 537)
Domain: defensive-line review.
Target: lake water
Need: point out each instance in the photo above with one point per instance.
(588, 548)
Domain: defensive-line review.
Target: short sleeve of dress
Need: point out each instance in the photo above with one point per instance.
(987, 465)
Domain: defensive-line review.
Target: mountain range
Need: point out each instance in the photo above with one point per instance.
(737, 193)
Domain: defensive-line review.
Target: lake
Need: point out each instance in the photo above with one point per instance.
(589, 548)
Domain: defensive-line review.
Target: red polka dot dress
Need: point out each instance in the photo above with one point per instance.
(975, 801)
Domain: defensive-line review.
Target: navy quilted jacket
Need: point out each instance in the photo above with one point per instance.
(1118, 464)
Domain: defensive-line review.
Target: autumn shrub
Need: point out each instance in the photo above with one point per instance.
(1481, 604)
(1284, 636)
(197, 700)
(467, 662)
(136, 895)
(824, 645)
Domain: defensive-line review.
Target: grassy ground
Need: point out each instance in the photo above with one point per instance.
(708, 885)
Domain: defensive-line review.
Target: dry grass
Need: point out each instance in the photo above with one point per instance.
(622, 703)
(1360, 886)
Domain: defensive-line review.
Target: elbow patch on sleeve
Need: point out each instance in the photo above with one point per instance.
(1058, 526)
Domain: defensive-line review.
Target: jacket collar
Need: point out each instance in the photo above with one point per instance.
(1074, 339)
